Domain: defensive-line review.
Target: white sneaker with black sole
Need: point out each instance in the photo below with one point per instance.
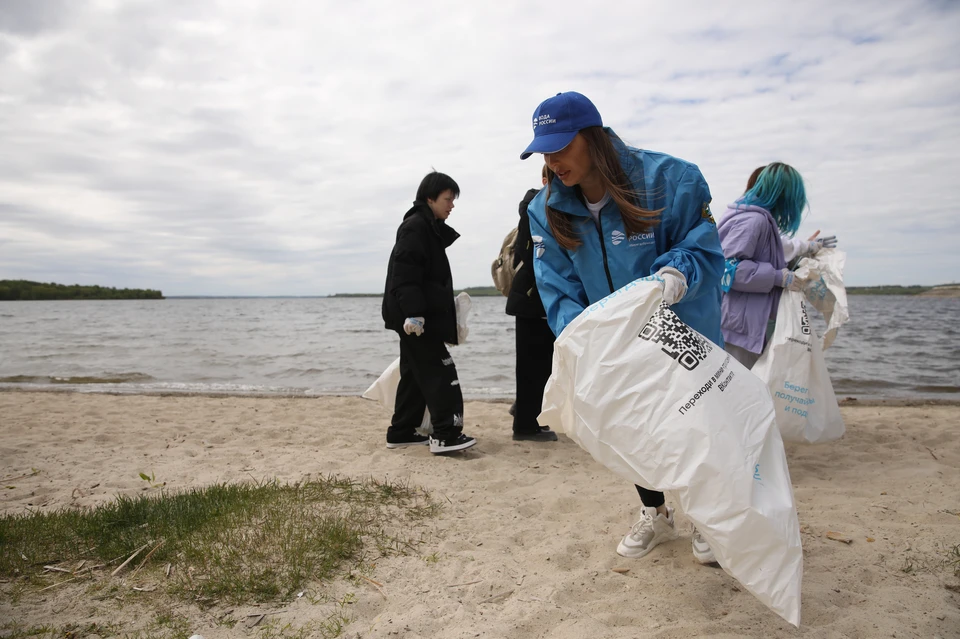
(440, 446)
(410, 440)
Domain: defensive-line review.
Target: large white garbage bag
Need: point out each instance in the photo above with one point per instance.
(384, 390)
(793, 367)
(663, 407)
(463, 304)
(825, 289)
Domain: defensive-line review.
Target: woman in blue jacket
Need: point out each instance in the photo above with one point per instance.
(608, 215)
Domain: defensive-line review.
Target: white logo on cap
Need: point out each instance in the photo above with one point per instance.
(543, 119)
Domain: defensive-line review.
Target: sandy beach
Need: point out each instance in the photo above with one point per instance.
(525, 543)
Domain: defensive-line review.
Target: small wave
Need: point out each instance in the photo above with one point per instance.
(107, 378)
(848, 384)
(936, 389)
(496, 377)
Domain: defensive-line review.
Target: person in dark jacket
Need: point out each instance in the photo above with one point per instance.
(418, 304)
(534, 338)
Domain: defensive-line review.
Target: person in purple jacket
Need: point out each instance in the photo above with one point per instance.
(756, 270)
(793, 247)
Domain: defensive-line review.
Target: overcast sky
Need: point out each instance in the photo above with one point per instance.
(254, 147)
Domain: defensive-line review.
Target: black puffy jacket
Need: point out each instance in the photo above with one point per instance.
(524, 298)
(419, 282)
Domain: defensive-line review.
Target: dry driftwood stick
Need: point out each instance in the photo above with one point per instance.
(129, 559)
(149, 554)
(495, 598)
(468, 583)
(90, 569)
(30, 474)
(376, 584)
(55, 569)
(60, 583)
(839, 537)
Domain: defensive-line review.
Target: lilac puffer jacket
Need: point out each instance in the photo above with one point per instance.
(749, 234)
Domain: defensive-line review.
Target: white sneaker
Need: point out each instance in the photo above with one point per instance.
(701, 549)
(651, 530)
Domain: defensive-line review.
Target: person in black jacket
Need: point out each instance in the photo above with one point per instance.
(418, 304)
(533, 335)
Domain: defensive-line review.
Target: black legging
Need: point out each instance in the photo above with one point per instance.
(651, 498)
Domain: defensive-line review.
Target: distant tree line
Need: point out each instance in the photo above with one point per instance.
(887, 290)
(26, 290)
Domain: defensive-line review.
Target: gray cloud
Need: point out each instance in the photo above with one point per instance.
(272, 148)
(29, 17)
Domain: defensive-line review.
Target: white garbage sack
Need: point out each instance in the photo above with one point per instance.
(794, 370)
(663, 407)
(463, 304)
(825, 290)
(384, 390)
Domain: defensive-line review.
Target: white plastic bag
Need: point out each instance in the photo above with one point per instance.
(384, 390)
(660, 405)
(825, 290)
(793, 367)
(463, 304)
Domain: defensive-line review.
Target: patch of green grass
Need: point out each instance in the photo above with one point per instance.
(69, 631)
(951, 559)
(946, 558)
(226, 542)
(329, 628)
(14, 630)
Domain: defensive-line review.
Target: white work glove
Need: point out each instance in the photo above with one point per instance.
(414, 326)
(673, 284)
(816, 243)
(789, 281)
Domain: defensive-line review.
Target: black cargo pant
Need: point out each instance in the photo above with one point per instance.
(428, 379)
(534, 363)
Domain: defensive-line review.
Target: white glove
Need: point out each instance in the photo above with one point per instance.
(790, 282)
(814, 245)
(413, 325)
(673, 284)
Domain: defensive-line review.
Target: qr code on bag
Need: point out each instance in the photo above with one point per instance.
(804, 319)
(675, 338)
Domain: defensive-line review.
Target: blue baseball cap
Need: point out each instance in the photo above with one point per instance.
(558, 120)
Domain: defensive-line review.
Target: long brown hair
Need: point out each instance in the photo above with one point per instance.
(636, 219)
(753, 176)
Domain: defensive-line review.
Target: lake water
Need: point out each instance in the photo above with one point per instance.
(900, 347)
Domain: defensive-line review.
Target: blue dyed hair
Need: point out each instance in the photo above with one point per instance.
(779, 189)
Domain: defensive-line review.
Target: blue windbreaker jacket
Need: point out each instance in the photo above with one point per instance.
(686, 239)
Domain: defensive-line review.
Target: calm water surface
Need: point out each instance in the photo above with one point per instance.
(892, 347)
